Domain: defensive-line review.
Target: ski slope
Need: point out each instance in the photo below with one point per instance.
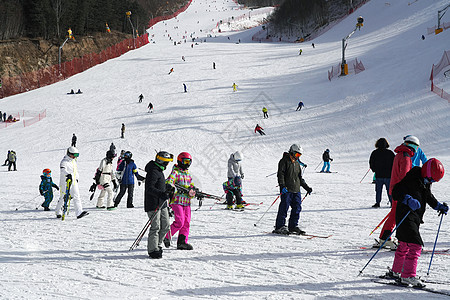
(44, 258)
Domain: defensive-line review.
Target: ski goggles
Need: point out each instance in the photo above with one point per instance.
(297, 154)
(186, 161)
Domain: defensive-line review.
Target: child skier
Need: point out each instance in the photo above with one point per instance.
(233, 187)
(413, 192)
(181, 202)
(46, 188)
(326, 161)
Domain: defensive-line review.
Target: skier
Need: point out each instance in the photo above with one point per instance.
(12, 158)
(234, 165)
(181, 202)
(326, 161)
(171, 71)
(122, 131)
(265, 114)
(423, 37)
(214, 65)
(155, 202)
(185, 87)
(412, 193)
(129, 170)
(120, 159)
(7, 159)
(112, 148)
(74, 140)
(290, 179)
(300, 52)
(46, 188)
(141, 97)
(418, 157)
(259, 129)
(300, 105)
(183, 58)
(234, 87)
(233, 187)
(313, 45)
(401, 165)
(105, 180)
(69, 170)
(150, 107)
(380, 162)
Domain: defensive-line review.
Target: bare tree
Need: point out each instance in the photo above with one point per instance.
(58, 8)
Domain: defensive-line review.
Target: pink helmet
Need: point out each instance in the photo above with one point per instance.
(433, 169)
(184, 160)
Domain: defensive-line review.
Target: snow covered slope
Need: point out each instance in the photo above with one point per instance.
(42, 257)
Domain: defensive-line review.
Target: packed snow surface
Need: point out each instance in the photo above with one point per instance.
(42, 257)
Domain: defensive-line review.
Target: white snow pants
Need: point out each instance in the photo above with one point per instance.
(109, 200)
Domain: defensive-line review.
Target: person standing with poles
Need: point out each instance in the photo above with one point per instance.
(326, 161)
(74, 140)
(401, 165)
(290, 179)
(413, 192)
(155, 202)
(380, 162)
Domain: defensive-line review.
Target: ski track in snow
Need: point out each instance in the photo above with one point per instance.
(44, 258)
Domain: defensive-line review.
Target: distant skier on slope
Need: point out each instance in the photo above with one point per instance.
(171, 71)
(234, 87)
(259, 129)
(140, 98)
(326, 161)
(150, 107)
(290, 180)
(265, 113)
(300, 105)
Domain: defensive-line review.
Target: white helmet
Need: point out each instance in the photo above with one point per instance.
(410, 139)
(238, 156)
(73, 151)
(295, 148)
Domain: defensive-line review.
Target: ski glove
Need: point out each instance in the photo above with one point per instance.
(242, 176)
(115, 184)
(41, 192)
(92, 188)
(140, 177)
(308, 190)
(284, 190)
(442, 208)
(68, 176)
(414, 204)
(57, 187)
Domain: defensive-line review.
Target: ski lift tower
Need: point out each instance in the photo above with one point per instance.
(344, 66)
(441, 13)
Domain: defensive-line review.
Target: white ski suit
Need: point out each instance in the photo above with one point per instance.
(234, 168)
(69, 166)
(107, 176)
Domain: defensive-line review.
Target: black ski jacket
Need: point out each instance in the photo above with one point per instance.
(412, 184)
(155, 187)
(290, 174)
(381, 161)
(326, 156)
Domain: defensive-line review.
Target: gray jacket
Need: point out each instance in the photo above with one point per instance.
(234, 168)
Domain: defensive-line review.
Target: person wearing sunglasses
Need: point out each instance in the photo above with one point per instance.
(69, 170)
(290, 180)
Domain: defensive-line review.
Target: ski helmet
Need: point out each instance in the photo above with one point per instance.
(73, 151)
(238, 156)
(127, 155)
(433, 170)
(327, 150)
(163, 158)
(110, 154)
(410, 139)
(47, 173)
(295, 148)
(184, 160)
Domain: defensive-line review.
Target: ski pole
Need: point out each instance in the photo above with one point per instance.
(378, 226)
(268, 209)
(435, 242)
(23, 204)
(360, 272)
(317, 166)
(271, 174)
(304, 198)
(365, 175)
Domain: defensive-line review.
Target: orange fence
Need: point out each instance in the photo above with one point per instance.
(39, 117)
(435, 70)
(36, 117)
(354, 66)
(29, 81)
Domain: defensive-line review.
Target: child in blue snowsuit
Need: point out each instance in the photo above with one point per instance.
(45, 188)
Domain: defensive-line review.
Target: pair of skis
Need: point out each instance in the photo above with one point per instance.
(394, 282)
(67, 198)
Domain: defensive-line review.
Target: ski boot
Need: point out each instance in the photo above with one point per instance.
(181, 243)
(297, 231)
(282, 230)
(413, 281)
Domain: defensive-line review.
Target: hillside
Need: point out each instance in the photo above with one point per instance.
(43, 257)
